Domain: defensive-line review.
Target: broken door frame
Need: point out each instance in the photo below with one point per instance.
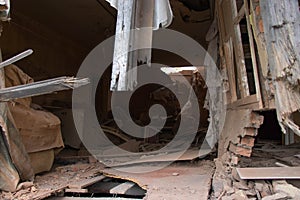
(231, 45)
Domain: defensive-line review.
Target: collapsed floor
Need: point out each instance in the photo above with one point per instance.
(77, 174)
(246, 164)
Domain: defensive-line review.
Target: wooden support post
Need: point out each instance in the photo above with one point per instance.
(239, 55)
(122, 46)
(144, 11)
(253, 55)
(132, 14)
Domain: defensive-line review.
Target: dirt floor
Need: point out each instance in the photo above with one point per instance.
(76, 175)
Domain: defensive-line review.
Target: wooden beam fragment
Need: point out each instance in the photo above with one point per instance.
(75, 190)
(41, 87)
(86, 182)
(122, 188)
(269, 173)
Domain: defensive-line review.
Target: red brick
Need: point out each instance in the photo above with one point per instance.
(261, 26)
(234, 160)
(239, 150)
(248, 141)
(257, 10)
(250, 131)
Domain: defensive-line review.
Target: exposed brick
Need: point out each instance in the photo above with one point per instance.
(261, 26)
(248, 141)
(235, 175)
(239, 150)
(257, 11)
(250, 132)
(255, 121)
(234, 160)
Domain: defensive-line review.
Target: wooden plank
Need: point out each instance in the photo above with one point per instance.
(253, 55)
(144, 12)
(41, 87)
(105, 187)
(119, 78)
(122, 188)
(48, 193)
(188, 155)
(247, 102)
(269, 173)
(240, 15)
(229, 57)
(239, 54)
(75, 190)
(85, 183)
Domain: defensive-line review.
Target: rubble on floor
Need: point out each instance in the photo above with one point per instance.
(92, 179)
(228, 184)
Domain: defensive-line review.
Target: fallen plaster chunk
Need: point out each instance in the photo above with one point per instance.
(277, 196)
(284, 187)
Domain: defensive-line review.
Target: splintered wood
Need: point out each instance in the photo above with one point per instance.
(41, 87)
(71, 177)
(281, 27)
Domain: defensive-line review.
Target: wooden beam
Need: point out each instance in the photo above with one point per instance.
(86, 183)
(144, 12)
(119, 78)
(75, 190)
(41, 87)
(239, 54)
(269, 173)
(229, 59)
(240, 15)
(253, 55)
(132, 15)
(122, 188)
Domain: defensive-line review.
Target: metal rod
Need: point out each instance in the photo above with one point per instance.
(16, 58)
(41, 88)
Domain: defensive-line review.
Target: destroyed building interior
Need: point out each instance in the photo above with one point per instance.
(239, 99)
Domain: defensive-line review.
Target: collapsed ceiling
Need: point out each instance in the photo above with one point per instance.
(87, 23)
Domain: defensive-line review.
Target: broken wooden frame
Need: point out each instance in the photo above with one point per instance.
(243, 78)
(41, 87)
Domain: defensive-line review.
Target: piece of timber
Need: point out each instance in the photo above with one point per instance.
(269, 173)
(42, 87)
(86, 183)
(122, 188)
(75, 190)
(48, 193)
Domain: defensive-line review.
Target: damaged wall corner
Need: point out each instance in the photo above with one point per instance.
(14, 155)
(281, 23)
